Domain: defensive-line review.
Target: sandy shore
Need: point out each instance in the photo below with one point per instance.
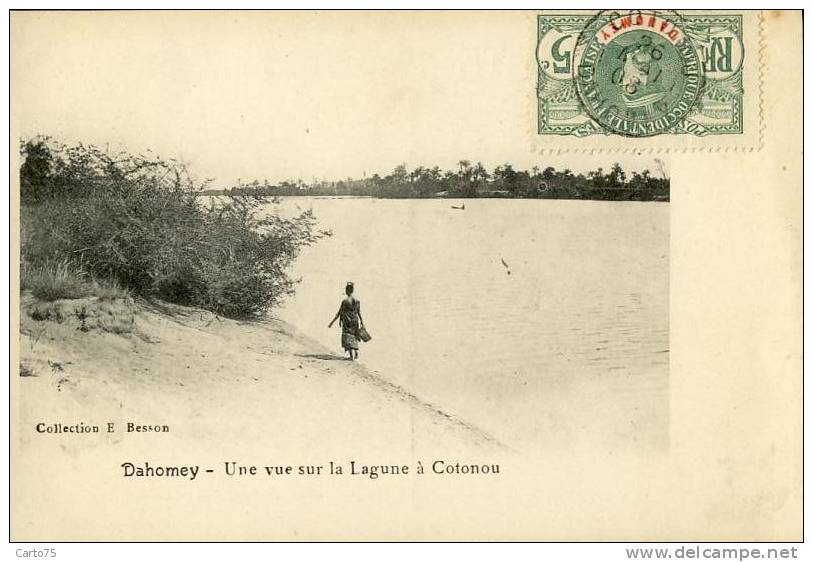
(218, 384)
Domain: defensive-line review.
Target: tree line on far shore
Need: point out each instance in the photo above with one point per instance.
(474, 181)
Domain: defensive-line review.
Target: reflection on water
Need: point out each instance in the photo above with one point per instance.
(546, 323)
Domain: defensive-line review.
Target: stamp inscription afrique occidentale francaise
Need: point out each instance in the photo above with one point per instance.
(640, 73)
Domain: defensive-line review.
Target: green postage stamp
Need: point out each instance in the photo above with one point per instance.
(641, 73)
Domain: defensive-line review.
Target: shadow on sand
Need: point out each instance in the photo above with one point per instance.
(322, 356)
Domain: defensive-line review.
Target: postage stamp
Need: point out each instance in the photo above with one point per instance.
(640, 73)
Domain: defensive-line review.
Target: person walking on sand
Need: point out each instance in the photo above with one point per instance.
(349, 316)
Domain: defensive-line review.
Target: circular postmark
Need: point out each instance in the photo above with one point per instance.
(637, 73)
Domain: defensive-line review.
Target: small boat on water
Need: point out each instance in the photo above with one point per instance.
(459, 207)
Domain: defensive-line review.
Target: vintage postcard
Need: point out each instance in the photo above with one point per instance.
(406, 276)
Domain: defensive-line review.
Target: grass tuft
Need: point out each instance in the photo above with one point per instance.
(109, 290)
(54, 280)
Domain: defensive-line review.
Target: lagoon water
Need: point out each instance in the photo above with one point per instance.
(544, 323)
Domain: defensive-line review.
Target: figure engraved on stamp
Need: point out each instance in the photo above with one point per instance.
(640, 73)
(637, 74)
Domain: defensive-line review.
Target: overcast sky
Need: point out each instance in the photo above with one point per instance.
(277, 96)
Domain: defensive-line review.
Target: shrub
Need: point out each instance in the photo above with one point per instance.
(138, 222)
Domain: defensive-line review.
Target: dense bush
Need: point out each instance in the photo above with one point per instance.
(140, 222)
